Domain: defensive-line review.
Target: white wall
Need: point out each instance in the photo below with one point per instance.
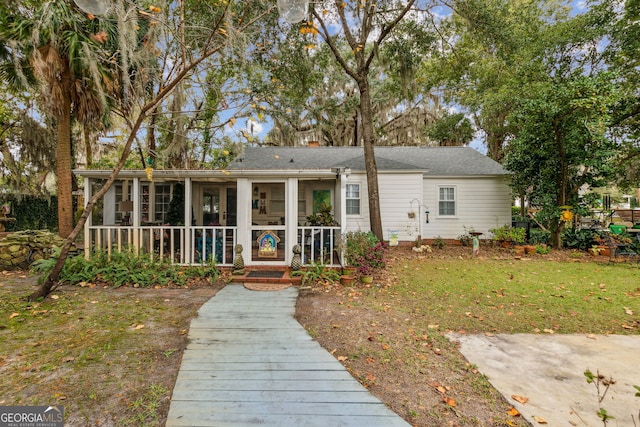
(481, 204)
(397, 191)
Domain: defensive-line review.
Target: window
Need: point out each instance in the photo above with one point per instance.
(353, 199)
(277, 202)
(447, 201)
(162, 200)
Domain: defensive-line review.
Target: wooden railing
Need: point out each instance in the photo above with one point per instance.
(180, 245)
(320, 245)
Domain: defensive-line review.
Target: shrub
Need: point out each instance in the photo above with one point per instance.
(538, 236)
(123, 268)
(364, 251)
(581, 239)
(506, 233)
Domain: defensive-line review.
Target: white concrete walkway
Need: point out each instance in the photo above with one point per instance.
(249, 362)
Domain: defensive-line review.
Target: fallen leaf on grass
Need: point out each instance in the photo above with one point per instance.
(54, 297)
(628, 311)
(539, 420)
(342, 358)
(12, 315)
(449, 401)
(520, 399)
(138, 327)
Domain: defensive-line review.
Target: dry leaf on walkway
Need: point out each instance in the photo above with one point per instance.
(539, 420)
(520, 399)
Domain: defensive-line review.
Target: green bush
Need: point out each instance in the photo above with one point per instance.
(123, 268)
(582, 239)
(538, 236)
(506, 233)
(364, 251)
(32, 212)
(317, 271)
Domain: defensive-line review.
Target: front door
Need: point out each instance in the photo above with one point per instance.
(268, 232)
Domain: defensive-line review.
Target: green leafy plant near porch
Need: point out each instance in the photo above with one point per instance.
(124, 268)
(364, 251)
(317, 271)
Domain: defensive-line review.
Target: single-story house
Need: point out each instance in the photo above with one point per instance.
(269, 199)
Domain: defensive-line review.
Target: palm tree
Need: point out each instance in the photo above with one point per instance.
(58, 52)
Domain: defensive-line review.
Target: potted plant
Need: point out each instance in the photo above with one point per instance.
(364, 252)
(508, 236)
(323, 217)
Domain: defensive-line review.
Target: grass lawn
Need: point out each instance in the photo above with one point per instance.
(514, 296)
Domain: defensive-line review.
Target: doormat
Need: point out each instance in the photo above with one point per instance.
(266, 286)
(265, 274)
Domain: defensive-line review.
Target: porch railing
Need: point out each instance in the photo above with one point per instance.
(320, 245)
(167, 242)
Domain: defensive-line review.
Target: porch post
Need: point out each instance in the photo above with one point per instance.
(135, 196)
(291, 217)
(244, 217)
(343, 210)
(88, 242)
(343, 202)
(188, 200)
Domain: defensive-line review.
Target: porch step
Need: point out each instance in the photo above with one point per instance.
(274, 275)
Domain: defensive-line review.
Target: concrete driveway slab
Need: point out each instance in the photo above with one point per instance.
(549, 371)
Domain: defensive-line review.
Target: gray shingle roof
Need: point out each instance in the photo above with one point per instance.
(434, 161)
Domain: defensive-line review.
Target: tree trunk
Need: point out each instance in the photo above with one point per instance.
(370, 158)
(63, 165)
(87, 147)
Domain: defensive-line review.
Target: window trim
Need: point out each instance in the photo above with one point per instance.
(359, 199)
(455, 200)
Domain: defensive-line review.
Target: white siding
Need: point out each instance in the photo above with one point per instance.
(399, 194)
(481, 204)
(397, 191)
